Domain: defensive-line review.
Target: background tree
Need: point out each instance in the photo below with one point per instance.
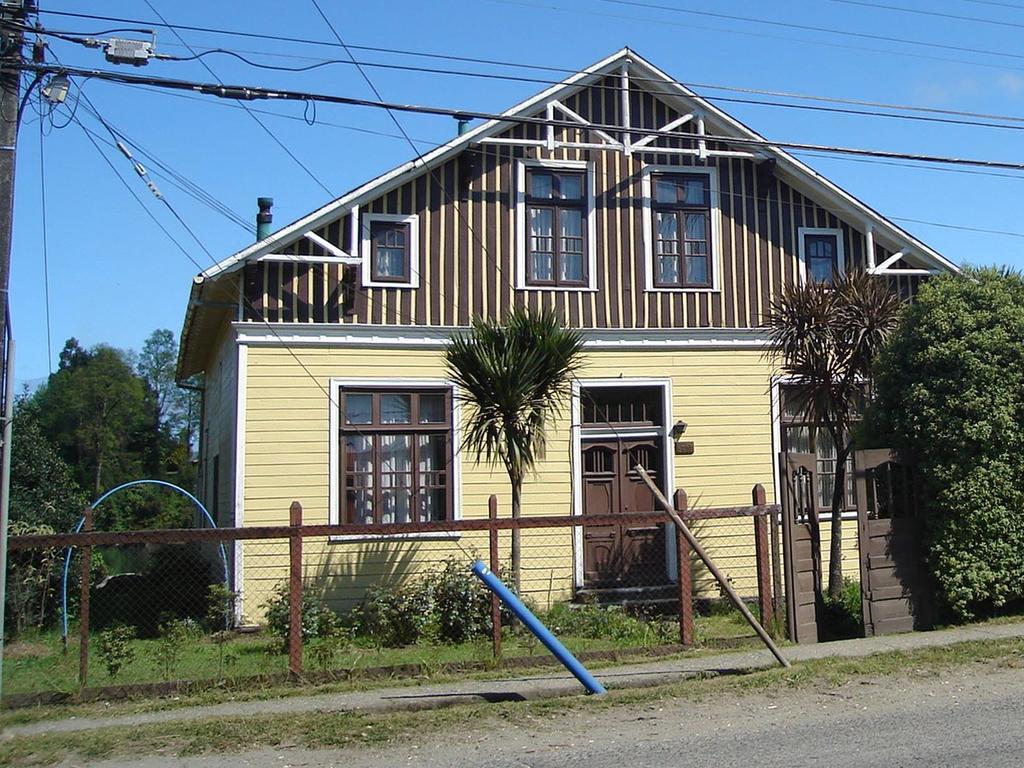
(827, 336)
(515, 376)
(950, 400)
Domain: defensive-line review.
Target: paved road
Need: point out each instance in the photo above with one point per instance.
(970, 718)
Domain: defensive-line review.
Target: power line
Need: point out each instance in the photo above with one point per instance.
(547, 68)
(810, 28)
(590, 12)
(936, 14)
(254, 92)
(259, 122)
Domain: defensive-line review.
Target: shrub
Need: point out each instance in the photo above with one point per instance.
(116, 648)
(317, 619)
(950, 399)
(396, 614)
(461, 603)
(842, 618)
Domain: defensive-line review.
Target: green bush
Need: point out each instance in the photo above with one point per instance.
(393, 615)
(950, 399)
(609, 623)
(317, 619)
(843, 618)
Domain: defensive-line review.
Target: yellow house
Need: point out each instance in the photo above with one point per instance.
(644, 216)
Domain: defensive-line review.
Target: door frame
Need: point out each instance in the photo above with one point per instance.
(663, 431)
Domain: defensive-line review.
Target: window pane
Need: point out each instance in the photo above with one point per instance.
(395, 409)
(541, 231)
(432, 409)
(695, 192)
(540, 184)
(822, 270)
(668, 270)
(667, 230)
(395, 478)
(572, 267)
(542, 267)
(390, 262)
(359, 479)
(696, 228)
(571, 233)
(798, 440)
(433, 458)
(665, 190)
(696, 270)
(570, 186)
(358, 408)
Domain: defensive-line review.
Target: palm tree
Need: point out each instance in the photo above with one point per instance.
(827, 336)
(515, 376)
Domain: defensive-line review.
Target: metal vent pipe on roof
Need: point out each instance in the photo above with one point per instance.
(264, 218)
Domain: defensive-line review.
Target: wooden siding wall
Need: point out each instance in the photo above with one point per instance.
(721, 394)
(467, 235)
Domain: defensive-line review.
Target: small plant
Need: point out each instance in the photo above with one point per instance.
(116, 648)
(324, 653)
(220, 617)
(174, 633)
(317, 619)
(609, 623)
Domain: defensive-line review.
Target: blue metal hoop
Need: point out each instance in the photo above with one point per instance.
(104, 497)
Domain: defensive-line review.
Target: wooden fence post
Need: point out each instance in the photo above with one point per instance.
(295, 591)
(684, 577)
(83, 605)
(764, 566)
(492, 513)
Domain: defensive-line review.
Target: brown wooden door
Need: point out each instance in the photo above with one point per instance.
(896, 589)
(621, 555)
(801, 541)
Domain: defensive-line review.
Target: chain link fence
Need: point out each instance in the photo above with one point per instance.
(154, 612)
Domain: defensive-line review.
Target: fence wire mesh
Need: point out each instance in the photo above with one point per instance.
(162, 615)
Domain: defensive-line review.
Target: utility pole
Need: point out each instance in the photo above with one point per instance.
(11, 59)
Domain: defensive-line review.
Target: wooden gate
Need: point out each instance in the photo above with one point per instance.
(801, 543)
(896, 588)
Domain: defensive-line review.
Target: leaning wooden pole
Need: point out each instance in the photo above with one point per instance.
(719, 576)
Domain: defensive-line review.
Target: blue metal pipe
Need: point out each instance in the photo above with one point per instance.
(508, 597)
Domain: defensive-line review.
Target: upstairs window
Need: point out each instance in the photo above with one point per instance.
(389, 255)
(681, 219)
(556, 224)
(396, 454)
(822, 254)
(389, 250)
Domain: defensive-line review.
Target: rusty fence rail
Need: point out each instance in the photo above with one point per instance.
(275, 563)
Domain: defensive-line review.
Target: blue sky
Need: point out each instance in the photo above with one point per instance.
(114, 276)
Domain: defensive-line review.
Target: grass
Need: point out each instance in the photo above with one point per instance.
(37, 663)
(327, 730)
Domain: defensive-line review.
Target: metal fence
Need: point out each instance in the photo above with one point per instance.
(154, 611)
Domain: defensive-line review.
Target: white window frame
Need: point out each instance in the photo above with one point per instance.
(335, 386)
(802, 233)
(366, 249)
(521, 225)
(648, 225)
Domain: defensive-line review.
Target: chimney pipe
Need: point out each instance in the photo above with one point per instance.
(264, 217)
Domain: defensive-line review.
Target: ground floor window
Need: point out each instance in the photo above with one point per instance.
(396, 454)
(802, 435)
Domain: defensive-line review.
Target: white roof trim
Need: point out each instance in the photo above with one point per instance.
(399, 175)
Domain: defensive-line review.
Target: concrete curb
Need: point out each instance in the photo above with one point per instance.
(527, 688)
